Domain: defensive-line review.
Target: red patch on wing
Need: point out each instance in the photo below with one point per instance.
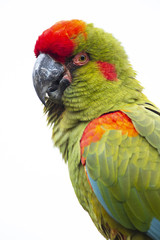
(108, 70)
(59, 40)
(97, 127)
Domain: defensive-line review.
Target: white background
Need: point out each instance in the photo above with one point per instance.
(37, 201)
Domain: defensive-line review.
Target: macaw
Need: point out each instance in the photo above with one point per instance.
(105, 127)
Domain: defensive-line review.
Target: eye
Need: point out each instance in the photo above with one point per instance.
(81, 59)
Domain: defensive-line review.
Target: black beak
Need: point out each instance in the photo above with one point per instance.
(48, 78)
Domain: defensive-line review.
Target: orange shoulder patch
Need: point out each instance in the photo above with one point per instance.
(111, 121)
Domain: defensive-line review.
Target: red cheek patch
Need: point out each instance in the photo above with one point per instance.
(108, 70)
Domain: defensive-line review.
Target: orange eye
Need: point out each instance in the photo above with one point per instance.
(81, 59)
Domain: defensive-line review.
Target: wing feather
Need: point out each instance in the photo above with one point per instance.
(124, 170)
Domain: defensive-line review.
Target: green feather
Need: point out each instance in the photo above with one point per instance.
(122, 179)
(127, 169)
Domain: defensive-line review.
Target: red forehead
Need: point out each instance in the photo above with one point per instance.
(59, 40)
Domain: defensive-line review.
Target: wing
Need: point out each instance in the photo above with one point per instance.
(122, 162)
(146, 119)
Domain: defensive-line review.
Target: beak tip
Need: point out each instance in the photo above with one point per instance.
(42, 96)
(43, 101)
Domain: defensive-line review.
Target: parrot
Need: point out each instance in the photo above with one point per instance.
(105, 127)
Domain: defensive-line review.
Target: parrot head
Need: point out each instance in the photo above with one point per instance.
(83, 70)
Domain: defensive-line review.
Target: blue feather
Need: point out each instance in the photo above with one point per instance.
(154, 230)
(98, 194)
